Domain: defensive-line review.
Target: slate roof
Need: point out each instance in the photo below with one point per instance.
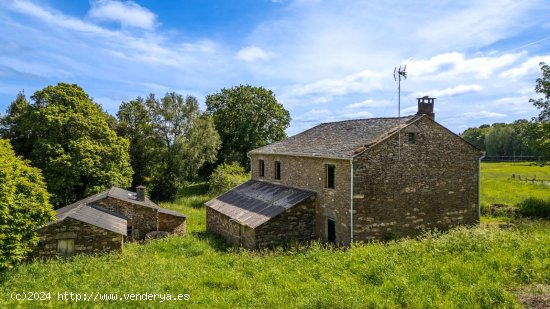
(94, 216)
(85, 211)
(124, 195)
(171, 212)
(119, 194)
(255, 202)
(341, 140)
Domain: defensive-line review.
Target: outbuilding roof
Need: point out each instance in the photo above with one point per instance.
(255, 202)
(119, 194)
(342, 139)
(85, 210)
(94, 216)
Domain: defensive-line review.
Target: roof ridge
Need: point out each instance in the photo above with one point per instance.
(363, 119)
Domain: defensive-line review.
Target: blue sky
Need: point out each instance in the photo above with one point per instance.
(325, 60)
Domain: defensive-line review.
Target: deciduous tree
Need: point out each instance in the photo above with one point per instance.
(68, 137)
(170, 140)
(542, 129)
(24, 206)
(246, 118)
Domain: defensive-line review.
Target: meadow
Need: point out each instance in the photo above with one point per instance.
(498, 187)
(481, 267)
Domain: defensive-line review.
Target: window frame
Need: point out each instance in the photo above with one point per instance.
(277, 168)
(328, 167)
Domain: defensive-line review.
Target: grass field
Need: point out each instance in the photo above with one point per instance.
(481, 267)
(498, 187)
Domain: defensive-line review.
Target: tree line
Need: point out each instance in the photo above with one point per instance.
(518, 138)
(521, 137)
(161, 142)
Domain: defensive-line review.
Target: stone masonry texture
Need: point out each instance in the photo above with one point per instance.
(142, 219)
(399, 189)
(88, 238)
(432, 183)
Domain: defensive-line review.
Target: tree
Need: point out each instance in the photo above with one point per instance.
(68, 137)
(135, 125)
(24, 206)
(170, 140)
(542, 129)
(246, 118)
(225, 177)
(476, 136)
(499, 141)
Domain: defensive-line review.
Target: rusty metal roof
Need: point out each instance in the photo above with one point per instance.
(94, 216)
(342, 139)
(255, 202)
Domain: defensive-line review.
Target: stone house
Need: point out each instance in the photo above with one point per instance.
(355, 180)
(103, 222)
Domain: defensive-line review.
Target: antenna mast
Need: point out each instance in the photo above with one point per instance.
(397, 74)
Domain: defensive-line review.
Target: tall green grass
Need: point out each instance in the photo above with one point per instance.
(498, 187)
(465, 268)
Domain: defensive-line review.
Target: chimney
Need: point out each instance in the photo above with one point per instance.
(426, 106)
(140, 193)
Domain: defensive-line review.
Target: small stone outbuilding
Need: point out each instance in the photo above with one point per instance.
(103, 222)
(368, 179)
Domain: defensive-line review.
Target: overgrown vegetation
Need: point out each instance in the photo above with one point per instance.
(71, 139)
(170, 139)
(535, 208)
(225, 177)
(498, 188)
(24, 206)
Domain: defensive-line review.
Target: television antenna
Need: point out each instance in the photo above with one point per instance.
(398, 74)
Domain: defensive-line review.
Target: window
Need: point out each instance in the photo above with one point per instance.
(411, 138)
(277, 169)
(65, 247)
(329, 176)
(261, 168)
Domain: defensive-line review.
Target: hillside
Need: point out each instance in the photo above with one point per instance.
(485, 267)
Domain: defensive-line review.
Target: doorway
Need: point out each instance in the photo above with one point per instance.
(331, 230)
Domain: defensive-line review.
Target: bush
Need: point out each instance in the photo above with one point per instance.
(24, 206)
(225, 177)
(535, 208)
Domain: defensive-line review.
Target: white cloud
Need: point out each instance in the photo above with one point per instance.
(150, 49)
(529, 66)
(127, 13)
(369, 103)
(252, 53)
(480, 115)
(450, 92)
(361, 82)
(456, 64)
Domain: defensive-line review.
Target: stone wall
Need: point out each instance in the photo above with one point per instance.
(434, 184)
(142, 219)
(309, 173)
(88, 238)
(172, 224)
(295, 224)
(221, 224)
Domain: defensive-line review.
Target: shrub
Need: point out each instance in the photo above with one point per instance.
(535, 208)
(24, 206)
(225, 177)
